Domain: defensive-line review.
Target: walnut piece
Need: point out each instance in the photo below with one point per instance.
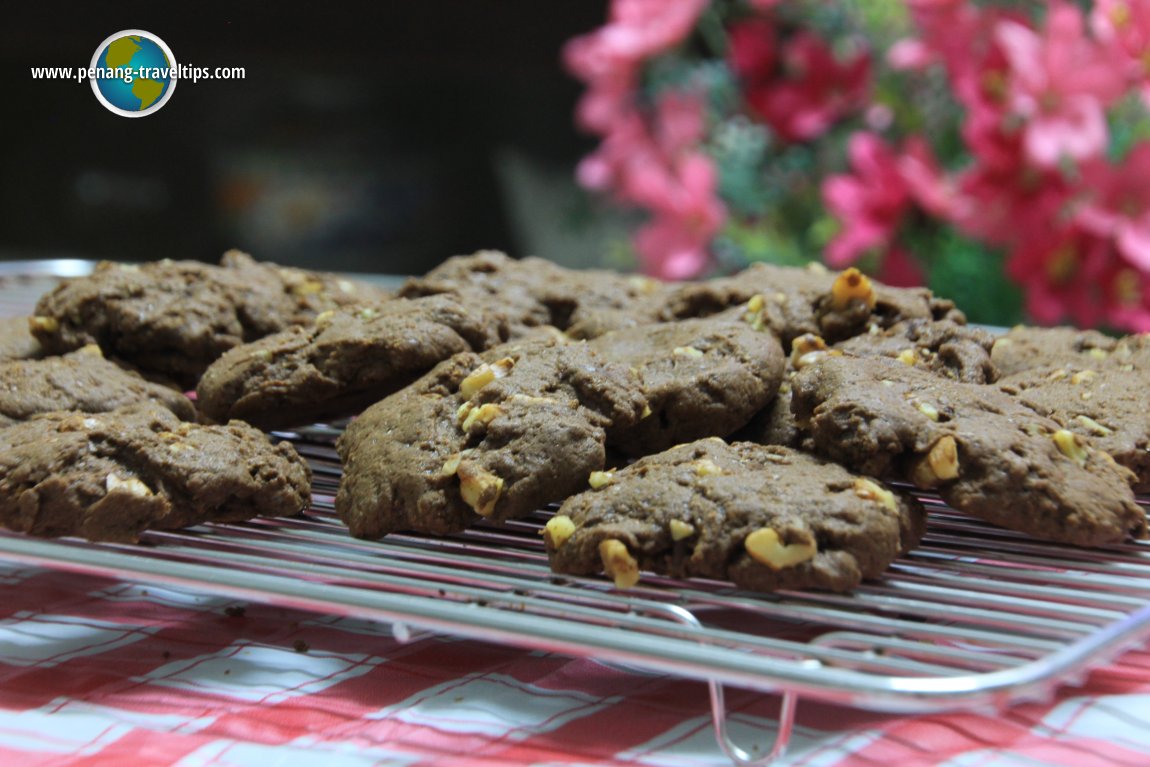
(557, 530)
(1071, 446)
(131, 485)
(765, 547)
(618, 563)
(598, 479)
(44, 324)
(940, 464)
(871, 491)
(483, 375)
(681, 530)
(482, 415)
(479, 488)
(852, 285)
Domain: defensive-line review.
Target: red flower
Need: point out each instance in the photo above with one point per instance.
(1058, 268)
(753, 50)
(1071, 272)
(813, 92)
(1006, 205)
(1120, 206)
(900, 270)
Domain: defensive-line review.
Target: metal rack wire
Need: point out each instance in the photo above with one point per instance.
(975, 617)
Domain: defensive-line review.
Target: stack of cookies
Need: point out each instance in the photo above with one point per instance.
(765, 429)
(97, 438)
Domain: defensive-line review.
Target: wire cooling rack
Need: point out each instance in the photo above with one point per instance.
(975, 617)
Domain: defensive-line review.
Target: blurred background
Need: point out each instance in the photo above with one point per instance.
(996, 151)
(368, 137)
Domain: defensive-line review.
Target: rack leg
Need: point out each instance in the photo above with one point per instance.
(736, 753)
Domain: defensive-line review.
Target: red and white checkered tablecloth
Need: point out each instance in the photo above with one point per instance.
(100, 672)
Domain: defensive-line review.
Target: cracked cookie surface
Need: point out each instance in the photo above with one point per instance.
(533, 292)
(496, 439)
(110, 476)
(1025, 348)
(701, 378)
(174, 318)
(942, 347)
(984, 452)
(347, 359)
(1107, 407)
(82, 381)
(766, 518)
(793, 301)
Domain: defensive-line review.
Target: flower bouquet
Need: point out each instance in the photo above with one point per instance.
(998, 152)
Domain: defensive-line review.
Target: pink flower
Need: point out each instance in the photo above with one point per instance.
(636, 30)
(814, 91)
(640, 157)
(679, 122)
(1125, 26)
(1060, 84)
(670, 250)
(609, 58)
(1120, 204)
(870, 203)
(994, 142)
(910, 55)
(928, 185)
(1127, 300)
(959, 35)
(688, 215)
(873, 204)
(652, 161)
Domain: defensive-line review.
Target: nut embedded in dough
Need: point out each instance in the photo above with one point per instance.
(479, 488)
(940, 464)
(852, 285)
(557, 530)
(618, 563)
(765, 547)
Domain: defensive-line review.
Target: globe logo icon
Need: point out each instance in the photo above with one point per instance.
(134, 73)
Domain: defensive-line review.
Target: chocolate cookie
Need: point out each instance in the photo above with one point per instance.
(533, 292)
(767, 518)
(1026, 348)
(174, 318)
(943, 347)
(17, 341)
(1107, 407)
(774, 424)
(110, 476)
(793, 301)
(984, 451)
(701, 378)
(82, 381)
(493, 439)
(348, 359)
